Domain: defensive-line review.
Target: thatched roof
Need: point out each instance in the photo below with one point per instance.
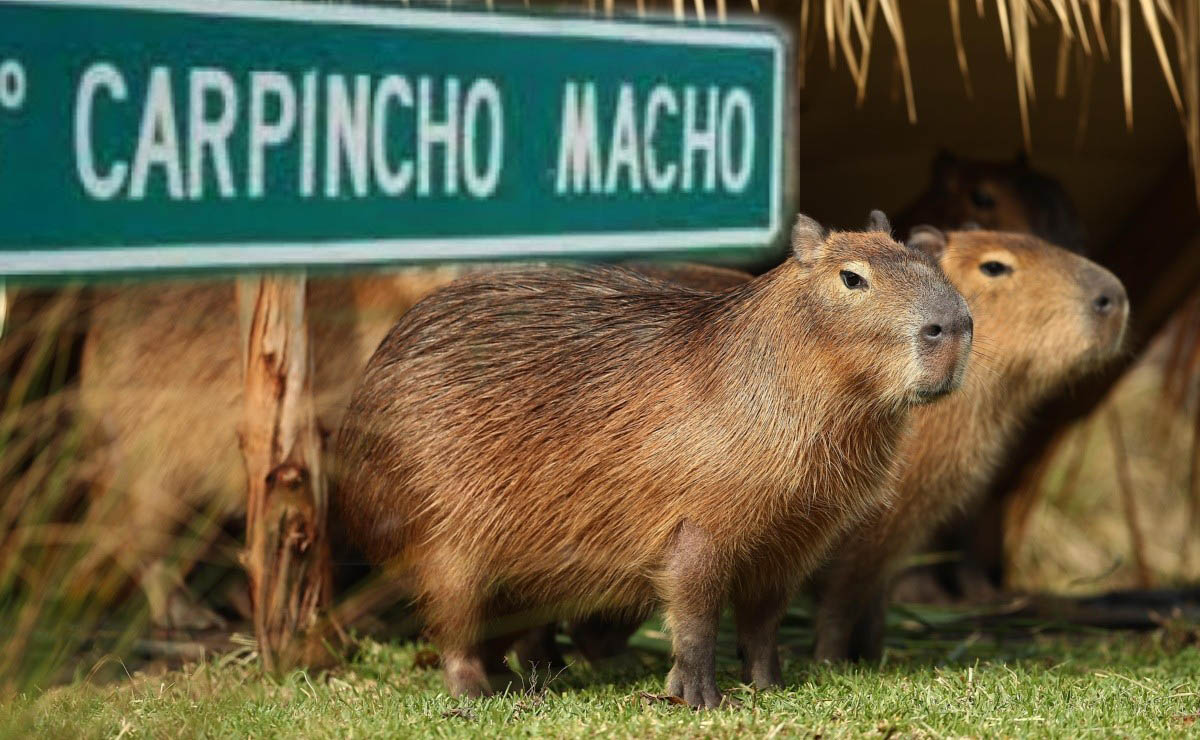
(1086, 29)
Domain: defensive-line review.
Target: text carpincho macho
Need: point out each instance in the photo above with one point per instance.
(207, 133)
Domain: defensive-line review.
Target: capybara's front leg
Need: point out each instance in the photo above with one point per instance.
(695, 585)
(758, 618)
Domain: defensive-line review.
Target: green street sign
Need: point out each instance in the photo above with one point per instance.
(196, 134)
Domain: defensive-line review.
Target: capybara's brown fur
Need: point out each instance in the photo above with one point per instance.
(1043, 315)
(556, 442)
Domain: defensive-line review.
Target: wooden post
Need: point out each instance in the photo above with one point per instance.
(287, 556)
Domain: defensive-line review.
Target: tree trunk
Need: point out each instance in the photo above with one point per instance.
(287, 556)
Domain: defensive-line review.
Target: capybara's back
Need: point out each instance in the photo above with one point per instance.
(555, 442)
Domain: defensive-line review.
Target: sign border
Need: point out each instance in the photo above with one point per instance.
(292, 254)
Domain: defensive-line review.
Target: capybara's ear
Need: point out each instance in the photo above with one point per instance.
(808, 237)
(945, 169)
(928, 239)
(877, 220)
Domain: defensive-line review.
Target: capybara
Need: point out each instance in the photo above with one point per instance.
(1043, 315)
(161, 387)
(551, 443)
(996, 196)
(161, 381)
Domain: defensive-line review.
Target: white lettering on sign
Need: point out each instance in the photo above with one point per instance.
(101, 76)
(392, 90)
(706, 142)
(346, 129)
(343, 136)
(662, 100)
(158, 139)
(578, 148)
(483, 96)
(623, 151)
(210, 133)
(206, 133)
(268, 131)
(737, 109)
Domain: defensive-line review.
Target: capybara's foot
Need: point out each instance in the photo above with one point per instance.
(764, 674)
(537, 650)
(697, 688)
(466, 675)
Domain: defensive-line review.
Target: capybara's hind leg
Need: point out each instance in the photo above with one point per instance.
(849, 621)
(695, 584)
(453, 612)
(866, 638)
(494, 652)
(757, 619)
(537, 649)
(601, 637)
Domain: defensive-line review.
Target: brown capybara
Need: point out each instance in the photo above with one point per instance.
(161, 381)
(996, 196)
(161, 386)
(551, 443)
(1043, 315)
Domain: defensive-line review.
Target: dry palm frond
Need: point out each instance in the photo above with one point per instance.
(959, 46)
(1187, 40)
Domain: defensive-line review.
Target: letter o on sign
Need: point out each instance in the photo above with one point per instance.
(737, 108)
(12, 84)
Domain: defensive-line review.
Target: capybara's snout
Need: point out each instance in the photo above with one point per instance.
(943, 344)
(1108, 305)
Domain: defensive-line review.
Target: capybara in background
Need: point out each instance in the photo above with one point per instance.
(161, 386)
(1043, 315)
(161, 381)
(550, 443)
(996, 196)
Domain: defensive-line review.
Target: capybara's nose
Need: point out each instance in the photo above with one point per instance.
(947, 325)
(1109, 298)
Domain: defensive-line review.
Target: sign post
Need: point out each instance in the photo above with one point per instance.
(287, 556)
(152, 136)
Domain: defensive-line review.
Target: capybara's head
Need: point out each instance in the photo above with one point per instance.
(1002, 196)
(890, 313)
(1042, 314)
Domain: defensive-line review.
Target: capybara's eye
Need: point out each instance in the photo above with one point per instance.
(982, 199)
(992, 268)
(853, 280)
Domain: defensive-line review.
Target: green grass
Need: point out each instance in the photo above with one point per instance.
(1046, 686)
